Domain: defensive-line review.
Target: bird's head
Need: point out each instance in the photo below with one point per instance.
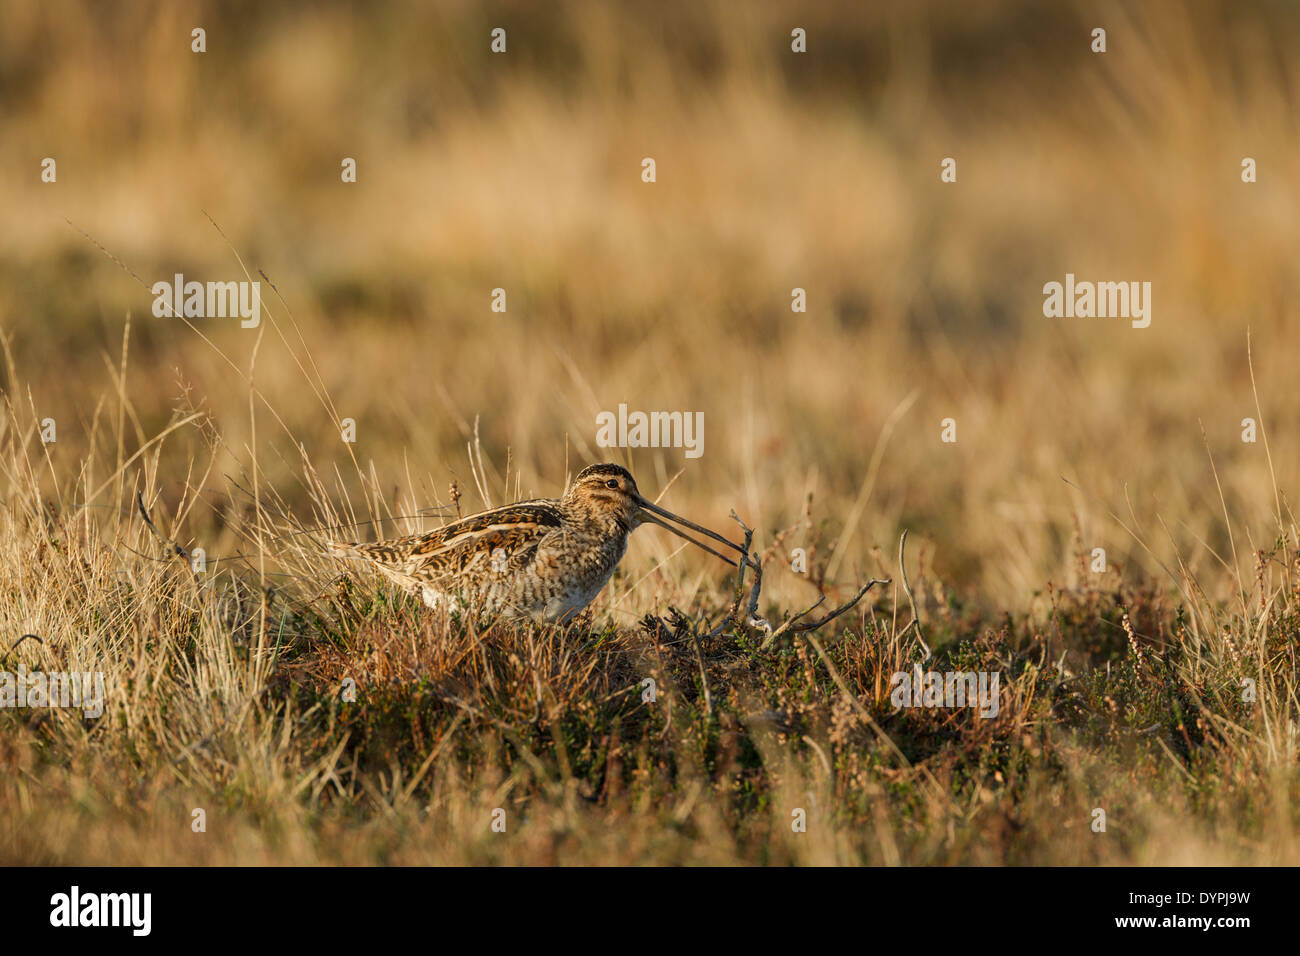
(609, 491)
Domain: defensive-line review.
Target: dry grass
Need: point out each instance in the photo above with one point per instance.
(774, 172)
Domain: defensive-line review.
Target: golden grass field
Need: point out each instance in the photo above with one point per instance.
(775, 170)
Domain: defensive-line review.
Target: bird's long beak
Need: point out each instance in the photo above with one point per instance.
(649, 512)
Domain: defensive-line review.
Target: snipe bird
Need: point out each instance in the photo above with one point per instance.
(544, 559)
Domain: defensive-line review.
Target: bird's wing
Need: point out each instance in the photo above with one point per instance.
(452, 550)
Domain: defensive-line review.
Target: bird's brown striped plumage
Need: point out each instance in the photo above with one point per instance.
(544, 559)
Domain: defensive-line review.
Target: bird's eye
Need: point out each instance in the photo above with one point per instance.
(612, 483)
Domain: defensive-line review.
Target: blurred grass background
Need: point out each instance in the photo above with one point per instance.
(775, 171)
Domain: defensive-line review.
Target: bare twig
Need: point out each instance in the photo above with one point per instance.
(25, 637)
(815, 625)
(752, 618)
(13, 647)
(176, 549)
(704, 676)
(907, 587)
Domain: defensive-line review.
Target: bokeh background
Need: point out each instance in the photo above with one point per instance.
(774, 170)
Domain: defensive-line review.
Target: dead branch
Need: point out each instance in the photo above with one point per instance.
(4, 658)
(175, 548)
(907, 587)
(751, 617)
